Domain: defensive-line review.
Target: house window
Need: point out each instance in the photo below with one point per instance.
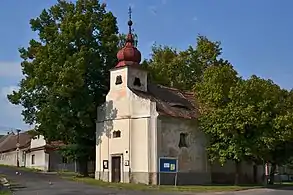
(136, 82)
(183, 140)
(118, 80)
(33, 159)
(116, 134)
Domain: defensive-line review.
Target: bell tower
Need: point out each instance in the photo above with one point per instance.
(128, 73)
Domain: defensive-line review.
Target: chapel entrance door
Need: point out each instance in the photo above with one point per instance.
(116, 169)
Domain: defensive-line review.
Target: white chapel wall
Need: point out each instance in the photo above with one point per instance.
(124, 111)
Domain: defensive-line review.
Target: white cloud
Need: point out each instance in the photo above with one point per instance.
(10, 69)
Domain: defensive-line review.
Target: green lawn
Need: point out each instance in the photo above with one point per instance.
(141, 187)
(5, 192)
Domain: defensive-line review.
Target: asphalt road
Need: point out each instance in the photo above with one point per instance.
(29, 183)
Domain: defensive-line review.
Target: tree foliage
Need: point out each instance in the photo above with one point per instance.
(66, 73)
(182, 69)
(245, 120)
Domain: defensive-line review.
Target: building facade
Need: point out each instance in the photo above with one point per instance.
(141, 122)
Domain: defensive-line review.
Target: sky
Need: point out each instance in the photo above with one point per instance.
(256, 36)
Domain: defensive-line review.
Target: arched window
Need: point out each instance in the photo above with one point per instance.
(183, 140)
(118, 80)
(116, 134)
(136, 82)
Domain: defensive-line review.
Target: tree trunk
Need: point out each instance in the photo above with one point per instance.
(272, 173)
(255, 173)
(237, 172)
(83, 167)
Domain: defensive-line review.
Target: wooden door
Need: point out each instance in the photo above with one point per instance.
(116, 169)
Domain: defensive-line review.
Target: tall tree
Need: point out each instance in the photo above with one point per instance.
(182, 69)
(66, 73)
(216, 114)
(242, 117)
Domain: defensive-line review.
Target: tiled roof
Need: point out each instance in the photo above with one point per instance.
(3, 138)
(170, 101)
(10, 142)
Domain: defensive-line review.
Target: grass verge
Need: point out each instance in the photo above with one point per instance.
(142, 187)
(5, 192)
(22, 168)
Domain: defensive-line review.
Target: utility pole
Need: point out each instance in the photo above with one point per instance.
(17, 148)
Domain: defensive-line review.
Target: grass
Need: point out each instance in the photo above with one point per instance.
(142, 187)
(22, 168)
(5, 192)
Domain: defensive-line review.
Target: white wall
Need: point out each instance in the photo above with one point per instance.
(10, 158)
(130, 114)
(41, 160)
(38, 141)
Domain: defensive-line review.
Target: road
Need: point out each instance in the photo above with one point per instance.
(30, 183)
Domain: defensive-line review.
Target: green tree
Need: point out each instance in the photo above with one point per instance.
(217, 114)
(278, 141)
(182, 69)
(243, 118)
(270, 127)
(66, 74)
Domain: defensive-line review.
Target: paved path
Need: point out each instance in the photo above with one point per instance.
(39, 184)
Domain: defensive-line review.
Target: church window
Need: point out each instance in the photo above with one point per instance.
(136, 82)
(118, 80)
(116, 134)
(183, 140)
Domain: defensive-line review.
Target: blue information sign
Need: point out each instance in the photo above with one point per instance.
(168, 165)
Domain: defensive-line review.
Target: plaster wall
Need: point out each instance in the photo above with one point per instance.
(134, 117)
(38, 141)
(193, 166)
(10, 158)
(41, 160)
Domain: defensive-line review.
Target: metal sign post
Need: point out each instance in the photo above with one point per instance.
(168, 165)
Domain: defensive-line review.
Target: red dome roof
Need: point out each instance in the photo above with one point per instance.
(129, 55)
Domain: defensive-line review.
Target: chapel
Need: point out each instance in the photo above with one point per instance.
(145, 131)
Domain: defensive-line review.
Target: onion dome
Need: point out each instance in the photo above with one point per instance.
(129, 55)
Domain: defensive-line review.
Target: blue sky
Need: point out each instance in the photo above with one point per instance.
(255, 35)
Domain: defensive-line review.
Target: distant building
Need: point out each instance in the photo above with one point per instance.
(34, 152)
